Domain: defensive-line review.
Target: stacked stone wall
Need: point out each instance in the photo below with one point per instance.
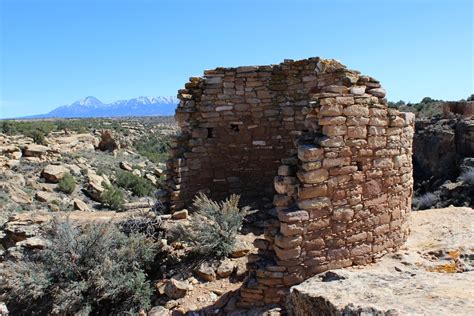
(338, 158)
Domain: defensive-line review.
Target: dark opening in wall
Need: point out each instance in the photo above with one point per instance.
(359, 166)
(234, 127)
(210, 132)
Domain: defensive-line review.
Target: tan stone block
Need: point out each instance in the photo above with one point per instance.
(371, 188)
(342, 170)
(383, 163)
(293, 278)
(330, 110)
(343, 214)
(288, 241)
(286, 254)
(334, 141)
(336, 162)
(345, 100)
(312, 192)
(332, 120)
(377, 112)
(308, 166)
(377, 141)
(357, 132)
(327, 101)
(310, 153)
(356, 110)
(376, 131)
(316, 203)
(314, 244)
(334, 130)
(292, 216)
(357, 237)
(378, 121)
(361, 249)
(338, 254)
(357, 121)
(291, 229)
(317, 214)
(313, 176)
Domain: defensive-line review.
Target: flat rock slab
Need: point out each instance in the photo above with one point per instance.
(432, 275)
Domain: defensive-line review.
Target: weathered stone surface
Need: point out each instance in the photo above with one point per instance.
(35, 150)
(80, 205)
(176, 289)
(406, 283)
(313, 176)
(310, 153)
(54, 173)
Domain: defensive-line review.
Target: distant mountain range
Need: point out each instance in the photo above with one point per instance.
(92, 107)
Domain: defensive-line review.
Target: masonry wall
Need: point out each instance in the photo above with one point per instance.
(337, 159)
(237, 124)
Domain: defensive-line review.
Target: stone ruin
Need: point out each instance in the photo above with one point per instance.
(316, 136)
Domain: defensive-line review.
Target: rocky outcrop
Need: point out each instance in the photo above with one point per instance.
(442, 149)
(433, 275)
(107, 142)
(439, 145)
(54, 173)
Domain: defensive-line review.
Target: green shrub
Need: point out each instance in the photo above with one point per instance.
(112, 197)
(94, 270)
(67, 184)
(38, 137)
(155, 147)
(134, 183)
(213, 227)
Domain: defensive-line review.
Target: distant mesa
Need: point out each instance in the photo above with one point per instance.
(93, 107)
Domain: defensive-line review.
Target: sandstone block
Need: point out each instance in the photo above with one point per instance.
(356, 132)
(334, 130)
(312, 192)
(288, 241)
(291, 229)
(345, 100)
(310, 153)
(333, 120)
(336, 162)
(287, 254)
(377, 92)
(330, 110)
(358, 90)
(54, 173)
(356, 110)
(293, 216)
(313, 176)
(308, 166)
(343, 214)
(316, 203)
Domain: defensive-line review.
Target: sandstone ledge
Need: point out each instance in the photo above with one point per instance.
(404, 283)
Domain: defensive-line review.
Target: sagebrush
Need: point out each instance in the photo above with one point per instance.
(91, 270)
(112, 197)
(67, 184)
(213, 227)
(134, 183)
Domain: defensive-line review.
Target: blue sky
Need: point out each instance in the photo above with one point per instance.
(56, 52)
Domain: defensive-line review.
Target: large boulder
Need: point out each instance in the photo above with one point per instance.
(107, 142)
(54, 173)
(35, 150)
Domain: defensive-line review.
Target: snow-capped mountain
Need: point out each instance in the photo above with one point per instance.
(92, 107)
